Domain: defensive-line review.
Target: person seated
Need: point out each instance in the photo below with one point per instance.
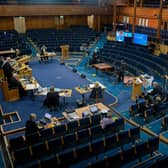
(15, 83)
(31, 126)
(157, 90)
(120, 74)
(157, 104)
(52, 98)
(43, 55)
(7, 68)
(96, 92)
(106, 121)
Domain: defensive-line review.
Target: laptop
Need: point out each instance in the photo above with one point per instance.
(93, 109)
(48, 116)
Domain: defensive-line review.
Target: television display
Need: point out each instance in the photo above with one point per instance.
(128, 34)
(141, 39)
(120, 36)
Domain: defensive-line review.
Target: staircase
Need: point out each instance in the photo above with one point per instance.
(33, 46)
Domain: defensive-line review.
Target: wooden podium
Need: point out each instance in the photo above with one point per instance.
(136, 88)
(64, 51)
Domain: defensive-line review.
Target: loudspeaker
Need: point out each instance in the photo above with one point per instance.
(83, 76)
(74, 70)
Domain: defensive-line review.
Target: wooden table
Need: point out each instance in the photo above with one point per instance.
(79, 111)
(29, 85)
(7, 52)
(65, 93)
(24, 59)
(87, 89)
(102, 67)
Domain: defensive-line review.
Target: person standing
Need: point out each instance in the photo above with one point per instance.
(31, 126)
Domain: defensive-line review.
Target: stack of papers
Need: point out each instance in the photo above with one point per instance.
(73, 115)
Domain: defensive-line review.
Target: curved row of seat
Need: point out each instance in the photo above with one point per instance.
(134, 56)
(93, 140)
(63, 129)
(75, 156)
(53, 39)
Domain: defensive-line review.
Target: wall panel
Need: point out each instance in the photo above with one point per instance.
(6, 23)
(38, 22)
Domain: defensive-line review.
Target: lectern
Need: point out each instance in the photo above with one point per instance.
(136, 88)
(64, 51)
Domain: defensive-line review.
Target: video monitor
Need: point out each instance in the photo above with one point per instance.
(141, 39)
(128, 34)
(120, 36)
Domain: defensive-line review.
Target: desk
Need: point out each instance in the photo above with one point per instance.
(24, 59)
(78, 112)
(53, 122)
(87, 89)
(29, 85)
(102, 67)
(47, 55)
(7, 53)
(21, 69)
(62, 92)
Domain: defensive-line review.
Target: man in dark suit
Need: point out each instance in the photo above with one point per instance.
(52, 99)
(96, 92)
(31, 126)
(7, 68)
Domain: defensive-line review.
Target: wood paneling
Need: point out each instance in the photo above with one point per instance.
(75, 20)
(38, 22)
(48, 10)
(6, 23)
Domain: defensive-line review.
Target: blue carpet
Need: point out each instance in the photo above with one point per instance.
(49, 74)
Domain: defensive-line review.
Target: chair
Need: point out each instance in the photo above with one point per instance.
(115, 160)
(97, 164)
(123, 138)
(39, 150)
(22, 156)
(97, 147)
(82, 152)
(164, 122)
(55, 145)
(16, 143)
(153, 144)
(33, 138)
(60, 129)
(128, 155)
(119, 124)
(95, 119)
(83, 136)
(49, 161)
(84, 122)
(110, 129)
(96, 131)
(141, 106)
(148, 114)
(133, 109)
(69, 140)
(111, 142)
(141, 150)
(66, 158)
(134, 134)
(72, 126)
(46, 133)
